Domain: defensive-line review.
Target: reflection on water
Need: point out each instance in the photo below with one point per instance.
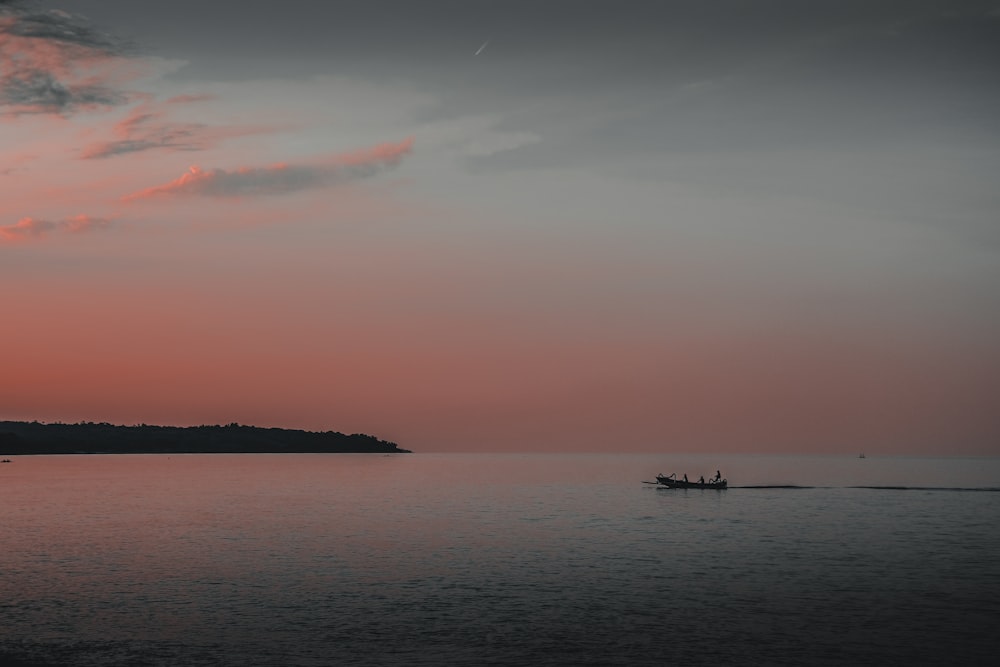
(503, 559)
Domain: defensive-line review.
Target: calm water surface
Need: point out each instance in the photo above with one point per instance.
(496, 559)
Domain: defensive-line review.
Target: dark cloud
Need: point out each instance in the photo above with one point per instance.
(147, 127)
(52, 62)
(638, 38)
(124, 147)
(600, 77)
(59, 26)
(145, 132)
(38, 91)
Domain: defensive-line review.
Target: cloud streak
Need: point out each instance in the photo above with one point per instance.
(55, 63)
(281, 178)
(145, 128)
(29, 228)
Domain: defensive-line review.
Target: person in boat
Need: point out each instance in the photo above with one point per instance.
(701, 480)
(718, 476)
(685, 477)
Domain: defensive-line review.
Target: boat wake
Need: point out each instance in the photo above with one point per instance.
(973, 489)
(981, 489)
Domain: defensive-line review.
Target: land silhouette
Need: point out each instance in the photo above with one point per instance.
(23, 438)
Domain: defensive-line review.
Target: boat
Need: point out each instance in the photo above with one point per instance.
(671, 482)
(861, 455)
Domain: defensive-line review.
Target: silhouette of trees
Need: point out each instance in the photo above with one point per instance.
(104, 438)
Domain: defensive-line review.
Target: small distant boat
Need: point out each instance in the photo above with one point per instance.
(671, 482)
(861, 455)
(5, 461)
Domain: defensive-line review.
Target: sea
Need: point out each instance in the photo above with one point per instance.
(497, 559)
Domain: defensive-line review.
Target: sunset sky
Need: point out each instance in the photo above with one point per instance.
(691, 226)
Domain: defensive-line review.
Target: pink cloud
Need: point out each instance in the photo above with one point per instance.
(84, 223)
(29, 228)
(26, 228)
(282, 178)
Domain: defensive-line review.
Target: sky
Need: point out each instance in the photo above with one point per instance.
(485, 225)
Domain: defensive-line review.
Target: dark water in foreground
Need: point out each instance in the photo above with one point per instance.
(496, 559)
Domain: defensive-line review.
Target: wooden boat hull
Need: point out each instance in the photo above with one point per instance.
(671, 483)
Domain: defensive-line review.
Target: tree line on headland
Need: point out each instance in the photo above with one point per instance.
(102, 438)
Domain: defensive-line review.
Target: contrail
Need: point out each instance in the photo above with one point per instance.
(482, 47)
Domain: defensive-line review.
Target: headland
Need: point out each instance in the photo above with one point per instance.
(25, 438)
